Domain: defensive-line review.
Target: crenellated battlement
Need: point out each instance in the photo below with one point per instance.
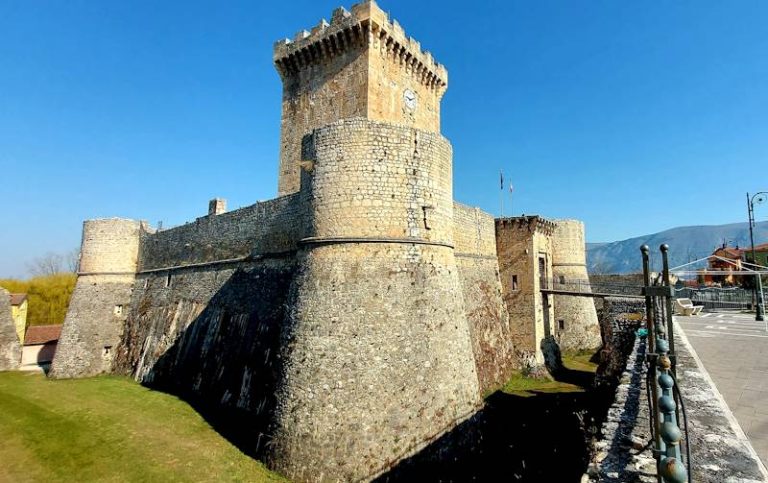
(366, 25)
(531, 223)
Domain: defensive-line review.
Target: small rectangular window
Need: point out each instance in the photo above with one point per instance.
(168, 280)
(561, 324)
(514, 282)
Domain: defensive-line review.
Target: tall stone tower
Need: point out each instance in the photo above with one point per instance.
(360, 65)
(578, 327)
(378, 355)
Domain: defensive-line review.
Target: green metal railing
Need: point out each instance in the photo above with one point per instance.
(666, 403)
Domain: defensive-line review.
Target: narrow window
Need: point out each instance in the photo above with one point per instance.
(426, 223)
(561, 324)
(514, 282)
(168, 280)
(118, 309)
(562, 279)
(107, 350)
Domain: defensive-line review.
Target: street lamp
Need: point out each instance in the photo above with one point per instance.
(756, 198)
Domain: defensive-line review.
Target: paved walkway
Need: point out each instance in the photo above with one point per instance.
(734, 350)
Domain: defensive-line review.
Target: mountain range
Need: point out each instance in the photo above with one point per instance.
(687, 243)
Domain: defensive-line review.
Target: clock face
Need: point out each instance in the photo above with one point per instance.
(409, 97)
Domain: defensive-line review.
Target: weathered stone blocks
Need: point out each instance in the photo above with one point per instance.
(99, 305)
(10, 349)
(577, 324)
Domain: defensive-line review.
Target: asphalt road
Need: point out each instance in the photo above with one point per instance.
(734, 350)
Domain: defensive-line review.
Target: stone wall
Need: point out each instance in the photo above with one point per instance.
(475, 239)
(577, 325)
(377, 180)
(264, 228)
(99, 305)
(521, 243)
(213, 337)
(10, 348)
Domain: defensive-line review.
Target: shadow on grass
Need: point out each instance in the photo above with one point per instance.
(527, 436)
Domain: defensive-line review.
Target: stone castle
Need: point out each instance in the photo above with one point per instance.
(361, 314)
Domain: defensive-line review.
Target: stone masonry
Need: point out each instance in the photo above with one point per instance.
(10, 349)
(524, 249)
(577, 324)
(350, 322)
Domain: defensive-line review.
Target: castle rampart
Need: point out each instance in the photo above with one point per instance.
(475, 251)
(262, 229)
(577, 324)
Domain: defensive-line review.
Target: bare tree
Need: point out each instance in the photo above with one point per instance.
(49, 264)
(72, 259)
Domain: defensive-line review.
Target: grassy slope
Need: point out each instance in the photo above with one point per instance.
(520, 385)
(109, 429)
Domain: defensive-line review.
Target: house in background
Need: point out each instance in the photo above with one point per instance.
(39, 347)
(19, 305)
(726, 259)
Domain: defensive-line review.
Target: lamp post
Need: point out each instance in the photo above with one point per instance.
(759, 198)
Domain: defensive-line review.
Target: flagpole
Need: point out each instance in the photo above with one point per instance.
(501, 193)
(511, 200)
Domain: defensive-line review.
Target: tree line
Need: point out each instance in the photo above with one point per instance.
(49, 289)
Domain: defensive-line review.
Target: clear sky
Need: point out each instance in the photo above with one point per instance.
(633, 116)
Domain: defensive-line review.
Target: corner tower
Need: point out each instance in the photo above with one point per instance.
(360, 65)
(377, 351)
(578, 327)
(98, 309)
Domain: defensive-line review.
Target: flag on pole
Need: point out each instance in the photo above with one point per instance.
(501, 179)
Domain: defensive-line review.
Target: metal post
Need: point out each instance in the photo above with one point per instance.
(666, 281)
(651, 338)
(759, 307)
(648, 309)
(664, 414)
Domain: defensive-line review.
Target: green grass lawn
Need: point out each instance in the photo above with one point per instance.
(109, 429)
(520, 385)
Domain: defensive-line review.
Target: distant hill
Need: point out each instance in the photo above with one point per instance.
(687, 243)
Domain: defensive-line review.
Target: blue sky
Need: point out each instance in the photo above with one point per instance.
(633, 116)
